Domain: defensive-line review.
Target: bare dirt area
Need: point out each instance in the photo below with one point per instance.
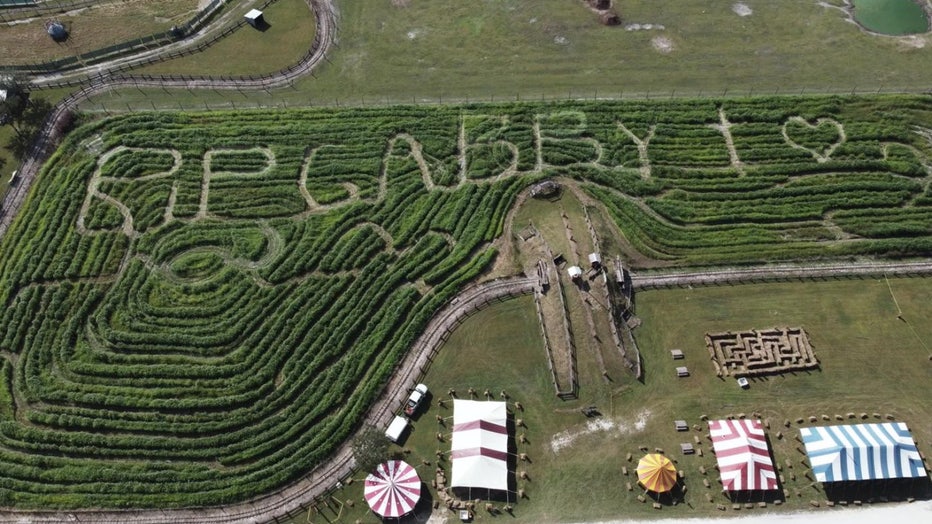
(742, 9)
(662, 44)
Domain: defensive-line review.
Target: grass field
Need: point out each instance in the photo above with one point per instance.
(91, 29)
(870, 362)
(249, 51)
(556, 48)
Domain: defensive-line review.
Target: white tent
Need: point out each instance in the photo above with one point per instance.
(480, 445)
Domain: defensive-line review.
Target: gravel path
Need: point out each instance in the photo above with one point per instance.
(778, 273)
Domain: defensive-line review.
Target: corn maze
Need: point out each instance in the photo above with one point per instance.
(200, 307)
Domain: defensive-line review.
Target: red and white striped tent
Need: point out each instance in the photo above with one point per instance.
(742, 454)
(480, 445)
(393, 489)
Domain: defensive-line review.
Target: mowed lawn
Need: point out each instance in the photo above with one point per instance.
(536, 48)
(249, 51)
(439, 51)
(872, 362)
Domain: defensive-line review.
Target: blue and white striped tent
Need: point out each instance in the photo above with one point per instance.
(862, 452)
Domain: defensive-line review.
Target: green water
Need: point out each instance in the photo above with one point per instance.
(891, 17)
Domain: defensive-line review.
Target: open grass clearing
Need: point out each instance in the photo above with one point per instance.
(249, 51)
(871, 362)
(444, 51)
(90, 29)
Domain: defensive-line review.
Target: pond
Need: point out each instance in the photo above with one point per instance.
(891, 17)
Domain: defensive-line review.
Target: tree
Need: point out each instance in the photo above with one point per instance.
(13, 103)
(370, 448)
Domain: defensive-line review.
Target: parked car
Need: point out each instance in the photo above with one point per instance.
(414, 401)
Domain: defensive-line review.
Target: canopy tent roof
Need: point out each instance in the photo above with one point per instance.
(479, 445)
(862, 452)
(393, 489)
(656, 473)
(743, 455)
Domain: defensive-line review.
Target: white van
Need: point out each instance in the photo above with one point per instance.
(396, 428)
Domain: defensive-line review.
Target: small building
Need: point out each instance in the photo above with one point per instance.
(595, 260)
(254, 18)
(575, 272)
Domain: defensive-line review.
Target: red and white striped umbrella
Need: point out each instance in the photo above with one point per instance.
(393, 489)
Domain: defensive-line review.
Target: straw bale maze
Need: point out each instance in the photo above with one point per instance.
(200, 307)
(760, 352)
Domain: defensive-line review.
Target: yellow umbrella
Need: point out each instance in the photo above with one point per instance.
(656, 473)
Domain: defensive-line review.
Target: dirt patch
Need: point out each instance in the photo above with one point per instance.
(911, 42)
(662, 44)
(742, 9)
(618, 426)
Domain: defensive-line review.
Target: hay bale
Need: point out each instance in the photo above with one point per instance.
(850, 414)
(641, 498)
(800, 420)
(624, 470)
(629, 457)
(889, 417)
(814, 503)
(721, 507)
(777, 502)
(703, 417)
(812, 418)
(876, 415)
(786, 423)
(761, 504)
(629, 486)
(706, 483)
(863, 416)
(749, 506)
(779, 435)
(825, 417)
(839, 417)
(657, 505)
